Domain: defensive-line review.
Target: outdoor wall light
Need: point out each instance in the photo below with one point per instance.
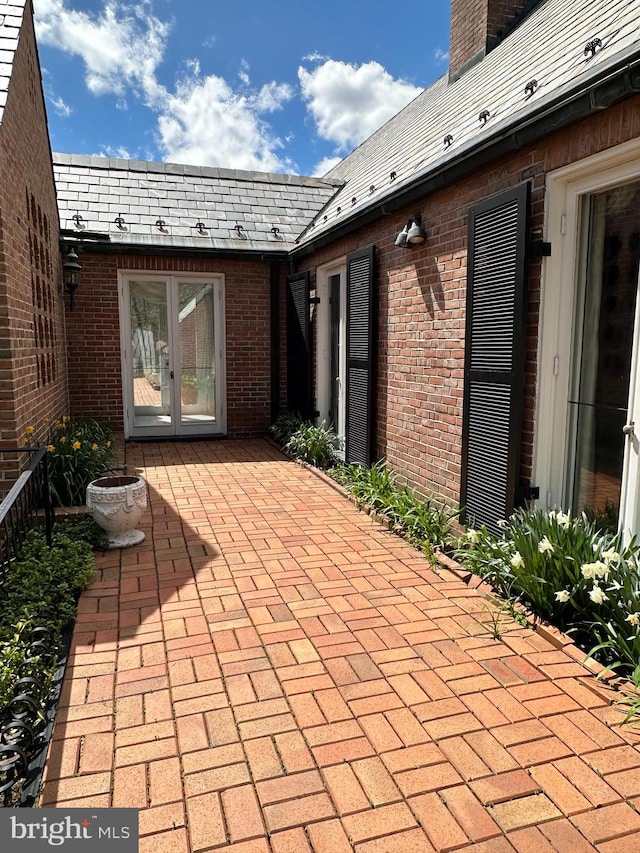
(413, 233)
(417, 235)
(401, 239)
(71, 275)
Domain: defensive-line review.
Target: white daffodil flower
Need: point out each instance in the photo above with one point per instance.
(598, 596)
(544, 546)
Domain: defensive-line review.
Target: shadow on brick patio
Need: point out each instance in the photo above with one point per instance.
(273, 671)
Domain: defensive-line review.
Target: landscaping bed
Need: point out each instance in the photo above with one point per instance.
(37, 609)
(571, 580)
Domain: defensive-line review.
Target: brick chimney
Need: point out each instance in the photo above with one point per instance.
(478, 25)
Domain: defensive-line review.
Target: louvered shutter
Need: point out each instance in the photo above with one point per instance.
(494, 356)
(298, 345)
(359, 355)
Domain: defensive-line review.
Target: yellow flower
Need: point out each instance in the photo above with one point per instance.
(108, 444)
(63, 438)
(50, 448)
(76, 445)
(47, 420)
(24, 441)
(94, 447)
(29, 430)
(65, 418)
(59, 425)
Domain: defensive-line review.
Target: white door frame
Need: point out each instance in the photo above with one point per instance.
(566, 189)
(323, 340)
(171, 281)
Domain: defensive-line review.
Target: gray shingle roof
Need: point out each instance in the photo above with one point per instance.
(549, 47)
(140, 195)
(11, 15)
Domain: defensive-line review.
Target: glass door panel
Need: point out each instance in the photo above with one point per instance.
(334, 354)
(599, 408)
(196, 341)
(151, 374)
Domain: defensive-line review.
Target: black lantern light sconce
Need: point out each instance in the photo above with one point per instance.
(71, 275)
(413, 233)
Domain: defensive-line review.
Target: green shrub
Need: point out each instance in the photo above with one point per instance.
(569, 572)
(82, 526)
(426, 522)
(43, 584)
(39, 591)
(286, 424)
(17, 661)
(316, 445)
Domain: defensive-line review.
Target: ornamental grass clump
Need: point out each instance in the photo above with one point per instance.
(584, 581)
(424, 521)
(285, 425)
(316, 445)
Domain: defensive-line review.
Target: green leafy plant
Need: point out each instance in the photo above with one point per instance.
(425, 521)
(316, 445)
(39, 595)
(568, 571)
(77, 453)
(44, 582)
(82, 526)
(286, 424)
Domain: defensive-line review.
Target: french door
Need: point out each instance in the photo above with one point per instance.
(172, 332)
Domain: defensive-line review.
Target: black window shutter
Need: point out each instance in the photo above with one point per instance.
(298, 345)
(494, 356)
(359, 355)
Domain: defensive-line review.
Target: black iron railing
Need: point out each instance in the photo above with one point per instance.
(26, 504)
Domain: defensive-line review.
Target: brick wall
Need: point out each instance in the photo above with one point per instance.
(421, 302)
(32, 355)
(95, 376)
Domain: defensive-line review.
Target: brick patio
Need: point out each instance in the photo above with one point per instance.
(273, 671)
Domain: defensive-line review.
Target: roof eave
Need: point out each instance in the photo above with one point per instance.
(106, 247)
(614, 84)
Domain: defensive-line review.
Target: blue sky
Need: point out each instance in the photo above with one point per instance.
(287, 86)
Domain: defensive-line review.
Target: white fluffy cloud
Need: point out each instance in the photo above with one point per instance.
(206, 122)
(121, 47)
(61, 107)
(325, 165)
(349, 102)
(203, 120)
(206, 119)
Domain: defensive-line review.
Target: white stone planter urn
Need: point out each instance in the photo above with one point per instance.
(117, 504)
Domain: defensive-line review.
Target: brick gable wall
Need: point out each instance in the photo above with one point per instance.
(94, 337)
(421, 297)
(33, 382)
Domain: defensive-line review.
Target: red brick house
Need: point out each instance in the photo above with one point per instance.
(495, 362)
(492, 362)
(33, 364)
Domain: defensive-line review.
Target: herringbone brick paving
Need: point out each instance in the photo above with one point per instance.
(273, 671)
